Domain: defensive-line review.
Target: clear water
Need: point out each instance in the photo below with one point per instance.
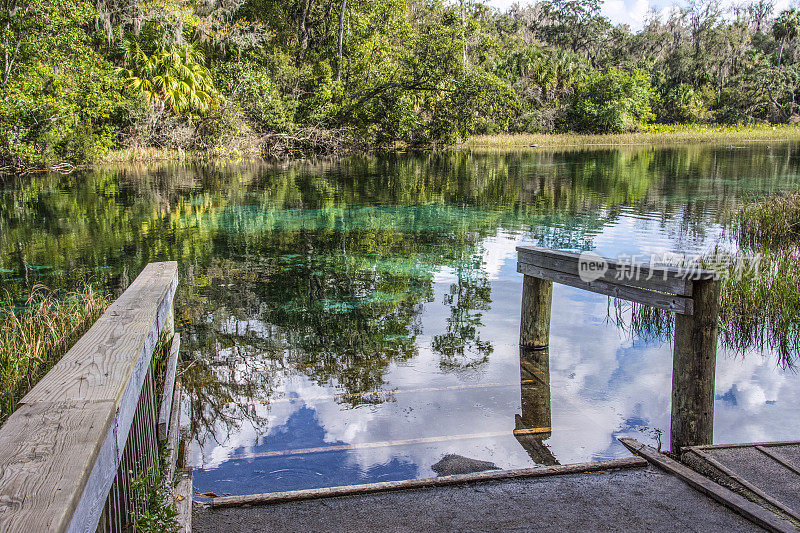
(356, 321)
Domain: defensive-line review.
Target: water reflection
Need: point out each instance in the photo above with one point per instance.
(533, 426)
(357, 321)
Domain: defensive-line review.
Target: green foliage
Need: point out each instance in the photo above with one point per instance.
(251, 88)
(58, 96)
(682, 104)
(156, 512)
(480, 98)
(308, 75)
(172, 76)
(612, 102)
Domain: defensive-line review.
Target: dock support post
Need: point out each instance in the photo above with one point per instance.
(693, 368)
(532, 427)
(537, 297)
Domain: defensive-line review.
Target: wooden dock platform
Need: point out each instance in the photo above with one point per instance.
(767, 473)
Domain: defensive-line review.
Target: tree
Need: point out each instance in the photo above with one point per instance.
(785, 29)
(612, 102)
(57, 93)
(172, 76)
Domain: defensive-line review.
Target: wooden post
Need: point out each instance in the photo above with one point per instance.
(537, 297)
(693, 367)
(533, 426)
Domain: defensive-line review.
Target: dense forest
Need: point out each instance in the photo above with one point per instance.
(230, 77)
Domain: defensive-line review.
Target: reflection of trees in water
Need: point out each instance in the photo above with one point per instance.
(326, 265)
(460, 345)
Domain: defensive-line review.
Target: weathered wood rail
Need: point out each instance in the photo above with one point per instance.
(692, 294)
(90, 426)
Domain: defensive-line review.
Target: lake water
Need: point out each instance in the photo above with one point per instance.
(357, 321)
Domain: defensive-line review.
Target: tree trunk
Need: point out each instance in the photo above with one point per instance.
(302, 33)
(341, 41)
(780, 51)
(464, 32)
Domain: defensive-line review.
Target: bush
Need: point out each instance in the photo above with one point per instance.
(249, 86)
(683, 104)
(612, 102)
(61, 96)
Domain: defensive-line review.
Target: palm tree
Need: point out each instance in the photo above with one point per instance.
(170, 76)
(786, 28)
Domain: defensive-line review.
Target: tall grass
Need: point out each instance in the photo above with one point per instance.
(760, 306)
(655, 134)
(34, 336)
(773, 222)
(760, 284)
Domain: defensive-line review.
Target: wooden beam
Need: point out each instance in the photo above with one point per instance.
(677, 304)
(753, 512)
(768, 444)
(173, 437)
(59, 452)
(694, 361)
(169, 386)
(183, 501)
(537, 297)
(491, 475)
(741, 481)
(778, 458)
(668, 279)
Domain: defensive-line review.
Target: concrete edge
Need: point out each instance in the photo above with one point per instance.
(491, 475)
(739, 504)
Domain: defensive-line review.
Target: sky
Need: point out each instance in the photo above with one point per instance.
(631, 12)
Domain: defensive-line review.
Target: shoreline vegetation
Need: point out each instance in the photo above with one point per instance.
(37, 333)
(84, 79)
(651, 136)
(656, 135)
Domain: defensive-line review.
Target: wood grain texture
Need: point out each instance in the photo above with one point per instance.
(660, 300)
(694, 362)
(183, 501)
(99, 365)
(59, 452)
(169, 387)
(38, 493)
(537, 298)
(173, 440)
(669, 279)
(753, 512)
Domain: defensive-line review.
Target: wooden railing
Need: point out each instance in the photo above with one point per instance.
(69, 452)
(693, 294)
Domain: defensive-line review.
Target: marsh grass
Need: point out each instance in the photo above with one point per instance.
(770, 223)
(656, 134)
(139, 154)
(35, 335)
(760, 284)
(760, 307)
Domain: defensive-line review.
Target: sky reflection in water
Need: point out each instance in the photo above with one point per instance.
(356, 322)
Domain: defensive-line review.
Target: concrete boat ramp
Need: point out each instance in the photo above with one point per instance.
(648, 492)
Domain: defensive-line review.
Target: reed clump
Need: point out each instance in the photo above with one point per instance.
(773, 222)
(36, 334)
(760, 304)
(760, 283)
